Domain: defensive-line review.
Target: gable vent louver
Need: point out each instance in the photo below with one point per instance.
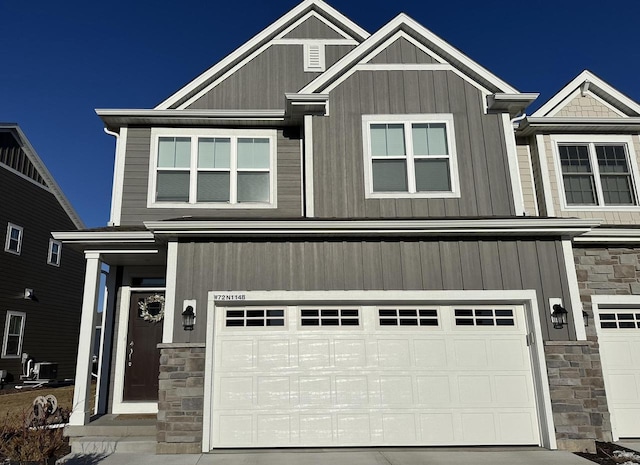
(314, 58)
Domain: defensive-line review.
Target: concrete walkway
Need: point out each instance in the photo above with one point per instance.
(634, 445)
(346, 457)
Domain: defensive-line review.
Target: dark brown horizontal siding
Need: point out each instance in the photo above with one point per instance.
(261, 83)
(52, 322)
(410, 264)
(338, 149)
(136, 184)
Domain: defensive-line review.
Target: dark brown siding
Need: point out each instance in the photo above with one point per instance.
(53, 321)
(338, 152)
(410, 264)
(136, 182)
(313, 28)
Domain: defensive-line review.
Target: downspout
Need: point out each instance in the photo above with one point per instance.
(115, 169)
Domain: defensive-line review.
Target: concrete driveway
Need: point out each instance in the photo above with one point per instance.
(481, 456)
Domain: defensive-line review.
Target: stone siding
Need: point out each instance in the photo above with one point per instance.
(181, 398)
(609, 271)
(578, 398)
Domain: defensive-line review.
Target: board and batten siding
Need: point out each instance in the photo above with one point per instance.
(402, 51)
(262, 83)
(313, 28)
(136, 183)
(355, 264)
(53, 320)
(339, 189)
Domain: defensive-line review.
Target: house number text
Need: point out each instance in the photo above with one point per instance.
(229, 296)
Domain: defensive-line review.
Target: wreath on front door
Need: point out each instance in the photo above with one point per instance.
(152, 308)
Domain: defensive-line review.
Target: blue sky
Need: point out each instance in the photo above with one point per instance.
(61, 60)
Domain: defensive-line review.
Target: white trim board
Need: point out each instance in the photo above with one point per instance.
(544, 176)
(574, 290)
(307, 16)
(118, 177)
(514, 168)
(528, 298)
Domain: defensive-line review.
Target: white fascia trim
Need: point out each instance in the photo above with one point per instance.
(588, 139)
(512, 159)
(37, 162)
(314, 14)
(574, 290)
(118, 177)
(544, 176)
(103, 236)
(402, 35)
(26, 178)
(610, 235)
(184, 114)
(256, 41)
(308, 166)
(566, 91)
(170, 292)
(528, 298)
(326, 78)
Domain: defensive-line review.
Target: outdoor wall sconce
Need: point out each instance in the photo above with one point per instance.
(585, 317)
(188, 315)
(29, 294)
(559, 316)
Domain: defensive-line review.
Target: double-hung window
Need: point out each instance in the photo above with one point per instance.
(55, 252)
(213, 168)
(13, 242)
(410, 156)
(13, 334)
(597, 173)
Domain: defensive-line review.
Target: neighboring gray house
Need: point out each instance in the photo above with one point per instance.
(579, 158)
(344, 215)
(41, 285)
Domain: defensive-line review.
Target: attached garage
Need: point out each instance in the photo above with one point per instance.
(371, 374)
(618, 327)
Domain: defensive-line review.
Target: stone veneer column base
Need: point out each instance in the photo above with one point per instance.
(578, 398)
(180, 398)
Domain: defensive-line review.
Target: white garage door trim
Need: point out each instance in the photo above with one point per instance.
(612, 305)
(526, 298)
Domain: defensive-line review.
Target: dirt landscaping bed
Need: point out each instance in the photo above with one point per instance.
(612, 454)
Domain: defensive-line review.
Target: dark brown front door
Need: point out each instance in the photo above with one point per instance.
(142, 364)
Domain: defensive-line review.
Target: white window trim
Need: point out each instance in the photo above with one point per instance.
(590, 139)
(407, 120)
(11, 226)
(50, 253)
(194, 133)
(23, 316)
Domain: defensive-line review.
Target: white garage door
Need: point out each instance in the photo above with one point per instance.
(619, 338)
(365, 376)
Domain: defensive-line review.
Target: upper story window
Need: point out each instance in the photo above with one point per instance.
(13, 334)
(13, 242)
(55, 252)
(410, 156)
(213, 168)
(598, 173)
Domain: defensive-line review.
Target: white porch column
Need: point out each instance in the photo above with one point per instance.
(81, 410)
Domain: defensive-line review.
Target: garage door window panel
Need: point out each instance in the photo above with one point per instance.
(410, 317)
(620, 320)
(484, 317)
(314, 317)
(254, 318)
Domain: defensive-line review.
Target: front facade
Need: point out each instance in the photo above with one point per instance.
(41, 285)
(344, 217)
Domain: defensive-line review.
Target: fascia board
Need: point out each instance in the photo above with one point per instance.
(102, 236)
(534, 125)
(55, 189)
(450, 53)
(563, 227)
(510, 102)
(613, 235)
(601, 88)
(260, 39)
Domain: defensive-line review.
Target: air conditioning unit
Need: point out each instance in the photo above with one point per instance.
(43, 371)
